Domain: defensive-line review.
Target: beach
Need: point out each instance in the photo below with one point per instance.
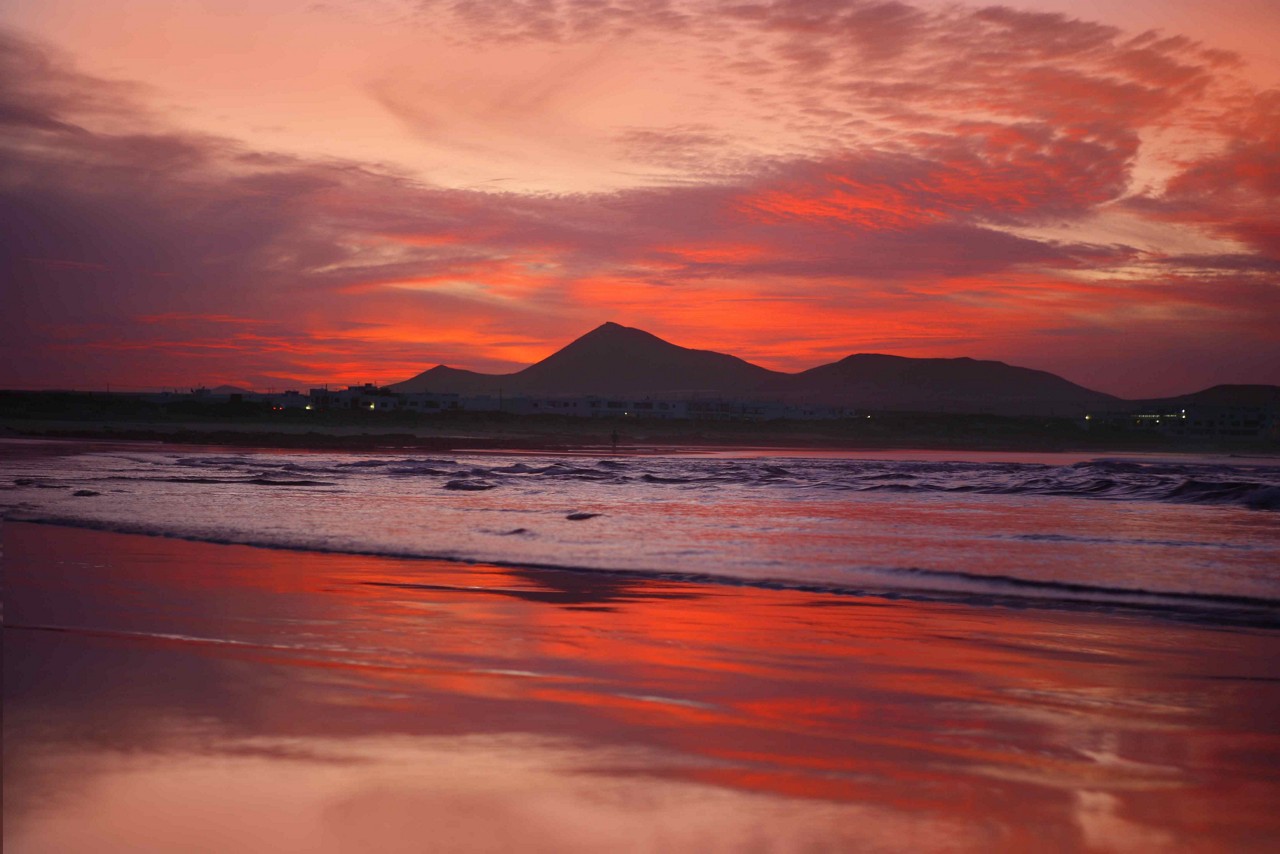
(167, 695)
(237, 649)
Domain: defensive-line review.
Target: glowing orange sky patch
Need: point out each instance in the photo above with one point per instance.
(715, 253)
(842, 200)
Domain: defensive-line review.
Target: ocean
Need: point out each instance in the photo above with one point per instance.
(292, 651)
(1181, 536)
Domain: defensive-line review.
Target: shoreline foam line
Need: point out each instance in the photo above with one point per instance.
(1214, 609)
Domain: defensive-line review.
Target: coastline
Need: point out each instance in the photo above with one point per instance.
(371, 699)
(560, 435)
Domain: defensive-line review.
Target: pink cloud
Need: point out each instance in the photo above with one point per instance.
(914, 229)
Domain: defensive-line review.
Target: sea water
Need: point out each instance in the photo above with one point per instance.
(1183, 536)
(863, 651)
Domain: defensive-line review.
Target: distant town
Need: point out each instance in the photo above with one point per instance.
(1194, 420)
(383, 399)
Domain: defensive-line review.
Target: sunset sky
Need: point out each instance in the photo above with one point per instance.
(279, 193)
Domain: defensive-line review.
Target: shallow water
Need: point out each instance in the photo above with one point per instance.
(162, 695)
(1187, 537)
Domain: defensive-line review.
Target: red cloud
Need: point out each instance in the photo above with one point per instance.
(1231, 192)
(911, 225)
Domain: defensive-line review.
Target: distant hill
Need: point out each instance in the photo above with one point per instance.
(609, 360)
(447, 380)
(1218, 395)
(940, 385)
(615, 360)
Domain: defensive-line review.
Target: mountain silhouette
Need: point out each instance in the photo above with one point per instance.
(621, 361)
(447, 380)
(609, 360)
(940, 385)
(614, 359)
(1219, 395)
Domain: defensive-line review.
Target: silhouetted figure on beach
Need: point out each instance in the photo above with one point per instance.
(614, 438)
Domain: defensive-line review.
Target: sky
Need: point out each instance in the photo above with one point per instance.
(281, 193)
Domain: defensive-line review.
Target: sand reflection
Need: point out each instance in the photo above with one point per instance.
(162, 695)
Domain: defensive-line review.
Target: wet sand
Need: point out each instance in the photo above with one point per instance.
(162, 695)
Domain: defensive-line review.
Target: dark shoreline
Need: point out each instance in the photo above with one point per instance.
(237, 423)
(531, 434)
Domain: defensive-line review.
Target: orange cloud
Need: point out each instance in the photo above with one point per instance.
(873, 177)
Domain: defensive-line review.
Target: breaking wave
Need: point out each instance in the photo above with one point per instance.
(906, 582)
(922, 529)
(1255, 487)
